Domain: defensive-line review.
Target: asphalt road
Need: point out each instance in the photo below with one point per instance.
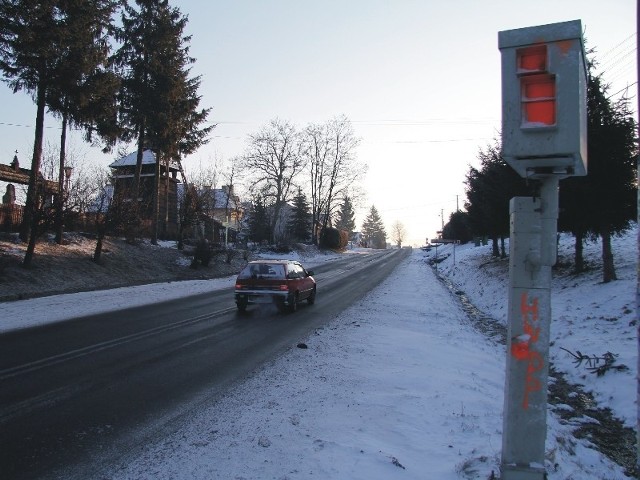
(76, 396)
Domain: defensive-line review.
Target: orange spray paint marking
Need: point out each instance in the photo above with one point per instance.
(521, 347)
(565, 46)
(520, 350)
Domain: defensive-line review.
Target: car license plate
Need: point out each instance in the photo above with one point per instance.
(260, 299)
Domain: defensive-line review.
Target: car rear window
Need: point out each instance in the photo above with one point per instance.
(263, 270)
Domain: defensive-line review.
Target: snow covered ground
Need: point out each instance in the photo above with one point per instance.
(587, 315)
(399, 386)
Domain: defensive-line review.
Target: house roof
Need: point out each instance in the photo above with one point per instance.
(219, 198)
(148, 158)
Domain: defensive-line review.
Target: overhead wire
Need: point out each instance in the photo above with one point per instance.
(613, 67)
(622, 74)
(617, 45)
(383, 123)
(618, 58)
(9, 124)
(623, 89)
(615, 63)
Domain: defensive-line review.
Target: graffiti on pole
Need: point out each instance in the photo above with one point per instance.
(521, 346)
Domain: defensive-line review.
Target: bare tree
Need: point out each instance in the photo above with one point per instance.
(398, 233)
(197, 200)
(333, 167)
(233, 207)
(77, 192)
(273, 159)
(103, 198)
(205, 179)
(111, 210)
(230, 176)
(85, 184)
(317, 149)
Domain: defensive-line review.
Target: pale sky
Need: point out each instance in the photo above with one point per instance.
(419, 80)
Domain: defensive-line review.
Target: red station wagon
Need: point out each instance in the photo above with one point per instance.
(283, 282)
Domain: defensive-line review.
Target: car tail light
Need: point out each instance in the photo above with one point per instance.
(239, 286)
(284, 287)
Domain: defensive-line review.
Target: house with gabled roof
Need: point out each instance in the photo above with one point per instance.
(158, 181)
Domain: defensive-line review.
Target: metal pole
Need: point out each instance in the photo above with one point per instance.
(532, 253)
(454, 253)
(436, 257)
(638, 261)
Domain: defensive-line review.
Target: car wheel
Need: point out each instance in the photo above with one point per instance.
(242, 305)
(281, 306)
(293, 303)
(312, 298)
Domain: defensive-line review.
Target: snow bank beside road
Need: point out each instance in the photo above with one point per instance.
(587, 315)
(400, 386)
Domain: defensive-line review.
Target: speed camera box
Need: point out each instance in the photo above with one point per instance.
(544, 91)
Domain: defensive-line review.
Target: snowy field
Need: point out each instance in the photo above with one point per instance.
(399, 386)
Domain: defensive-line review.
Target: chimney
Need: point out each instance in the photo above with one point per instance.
(9, 198)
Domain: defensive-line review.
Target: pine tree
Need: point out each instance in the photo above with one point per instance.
(373, 230)
(300, 221)
(84, 91)
(31, 42)
(346, 216)
(602, 203)
(259, 222)
(457, 228)
(159, 102)
(489, 190)
(42, 46)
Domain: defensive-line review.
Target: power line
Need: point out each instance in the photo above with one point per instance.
(230, 137)
(450, 140)
(612, 49)
(623, 89)
(612, 66)
(427, 122)
(622, 73)
(414, 206)
(26, 126)
(622, 53)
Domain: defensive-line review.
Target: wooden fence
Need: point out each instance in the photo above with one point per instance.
(10, 217)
